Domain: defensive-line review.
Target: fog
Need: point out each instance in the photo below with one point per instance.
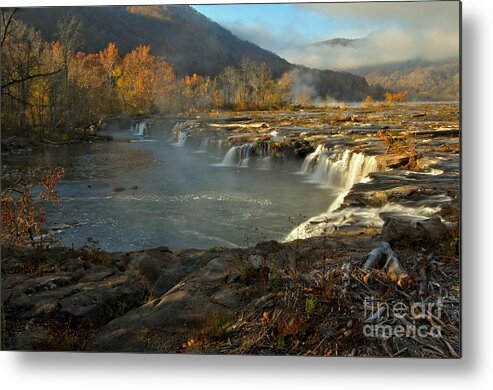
(389, 32)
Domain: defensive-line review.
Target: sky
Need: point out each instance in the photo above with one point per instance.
(390, 31)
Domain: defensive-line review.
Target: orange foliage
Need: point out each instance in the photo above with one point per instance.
(22, 216)
(368, 102)
(395, 97)
(144, 78)
(109, 59)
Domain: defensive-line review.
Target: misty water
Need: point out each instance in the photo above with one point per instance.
(184, 199)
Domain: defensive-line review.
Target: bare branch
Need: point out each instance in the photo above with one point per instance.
(6, 23)
(29, 77)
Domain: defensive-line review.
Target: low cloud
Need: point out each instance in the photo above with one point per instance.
(263, 35)
(381, 47)
(401, 31)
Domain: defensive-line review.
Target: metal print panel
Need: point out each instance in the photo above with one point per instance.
(266, 179)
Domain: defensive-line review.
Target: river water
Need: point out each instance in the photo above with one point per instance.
(173, 196)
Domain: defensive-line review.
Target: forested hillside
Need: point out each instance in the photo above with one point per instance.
(188, 40)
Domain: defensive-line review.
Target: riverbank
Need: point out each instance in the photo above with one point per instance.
(308, 297)
(15, 145)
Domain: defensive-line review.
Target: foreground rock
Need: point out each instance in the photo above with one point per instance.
(203, 301)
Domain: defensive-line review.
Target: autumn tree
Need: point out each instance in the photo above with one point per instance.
(227, 84)
(368, 102)
(22, 65)
(144, 80)
(110, 62)
(197, 93)
(285, 86)
(395, 97)
(250, 86)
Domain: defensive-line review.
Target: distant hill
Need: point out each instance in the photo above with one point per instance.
(189, 40)
(421, 80)
(345, 42)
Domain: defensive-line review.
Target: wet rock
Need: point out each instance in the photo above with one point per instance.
(361, 196)
(303, 150)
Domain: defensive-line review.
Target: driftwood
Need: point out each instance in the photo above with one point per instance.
(346, 276)
(383, 257)
(55, 142)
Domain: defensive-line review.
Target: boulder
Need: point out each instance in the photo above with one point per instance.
(390, 161)
(153, 325)
(408, 230)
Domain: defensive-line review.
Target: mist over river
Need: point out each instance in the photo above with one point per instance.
(173, 196)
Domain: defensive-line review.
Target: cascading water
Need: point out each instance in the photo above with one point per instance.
(180, 132)
(140, 128)
(339, 171)
(176, 127)
(238, 156)
(358, 216)
(204, 146)
(263, 155)
(182, 138)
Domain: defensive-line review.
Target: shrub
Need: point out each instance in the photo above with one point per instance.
(23, 214)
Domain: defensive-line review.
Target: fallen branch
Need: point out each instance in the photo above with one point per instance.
(383, 257)
(55, 142)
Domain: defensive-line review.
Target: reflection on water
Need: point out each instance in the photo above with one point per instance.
(172, 197)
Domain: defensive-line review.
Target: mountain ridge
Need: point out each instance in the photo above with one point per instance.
(190, 41)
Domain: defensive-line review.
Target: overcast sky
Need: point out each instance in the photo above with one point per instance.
(392, 31)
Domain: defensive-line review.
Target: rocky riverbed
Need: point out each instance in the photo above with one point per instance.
(398, 160)
(396, 171)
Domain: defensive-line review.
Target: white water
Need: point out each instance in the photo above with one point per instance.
(356, 216)
(238, 156)
(181, 132)
(182, 138)
(263, 159)
(204, 146)
(338, 171)
(140, 128)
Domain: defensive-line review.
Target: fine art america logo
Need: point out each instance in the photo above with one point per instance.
(398, 319)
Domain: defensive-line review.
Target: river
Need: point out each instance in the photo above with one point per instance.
(173, 196)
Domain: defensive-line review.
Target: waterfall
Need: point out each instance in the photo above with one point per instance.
(140, 128)
(311, 160)
(176, 127)
(357, 216)
(182, 138)
(180, 133)
(238, 156)
(339, 170)
(263, 155)
(204, 146)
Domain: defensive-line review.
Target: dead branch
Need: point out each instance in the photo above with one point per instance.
(383, 257)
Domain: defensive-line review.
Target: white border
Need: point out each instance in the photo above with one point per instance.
(122, 371)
